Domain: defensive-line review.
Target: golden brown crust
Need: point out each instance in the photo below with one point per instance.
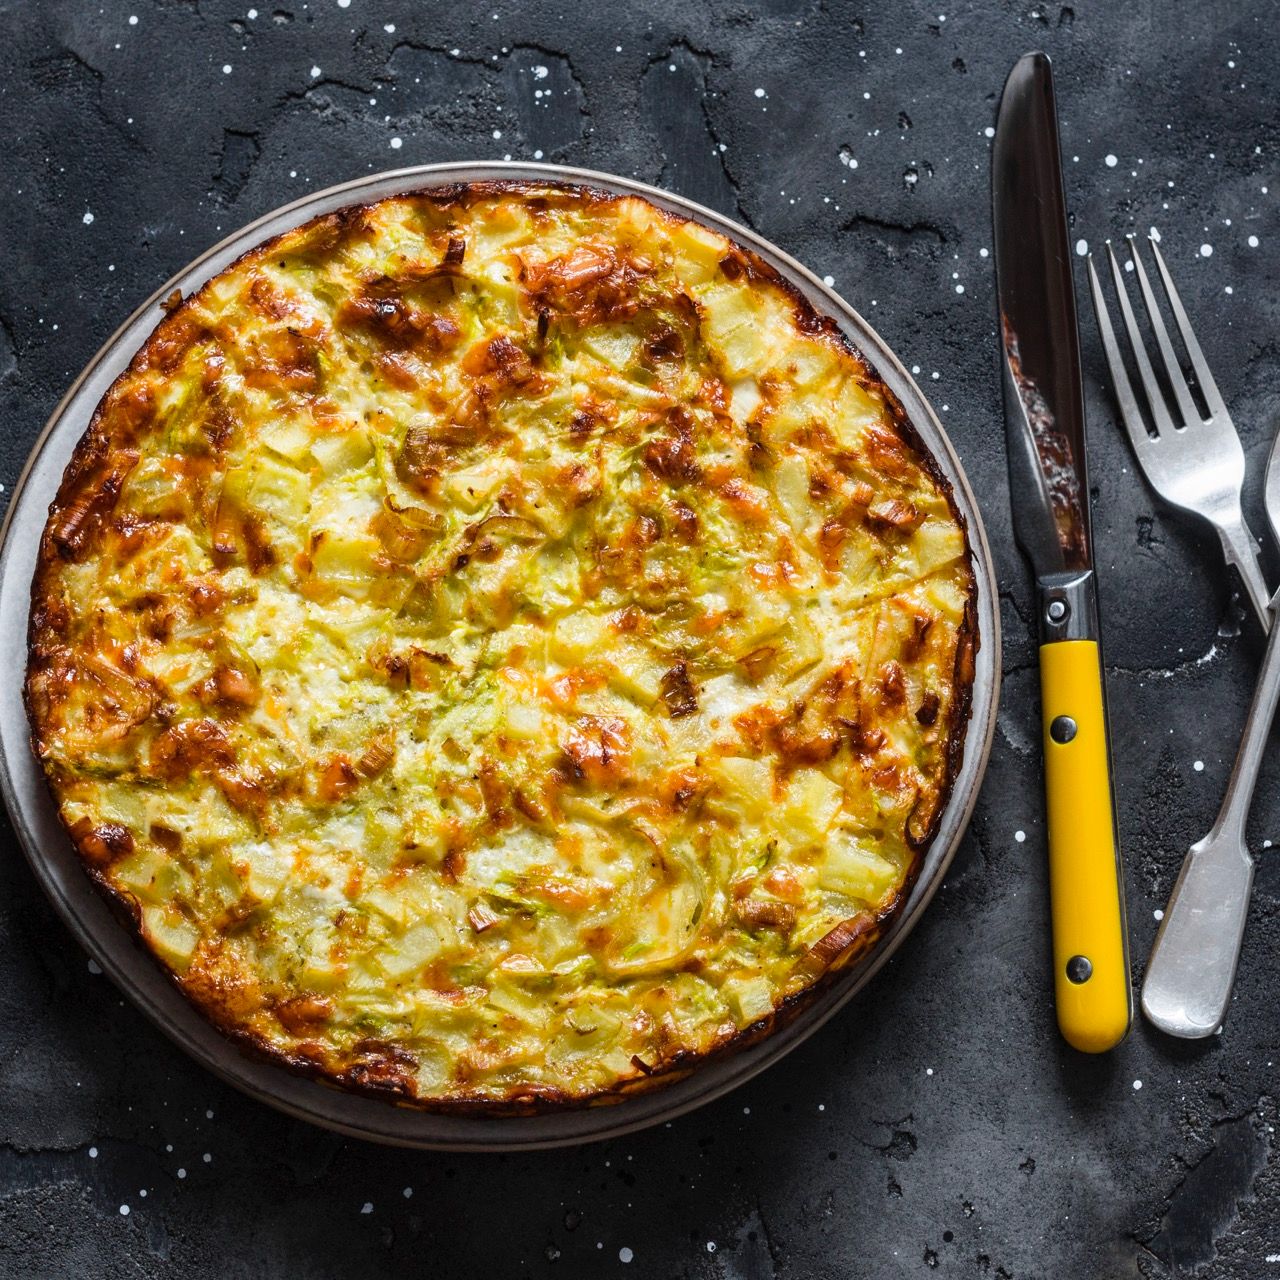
(120, 433)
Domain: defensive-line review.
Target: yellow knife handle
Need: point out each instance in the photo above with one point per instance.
(1086, 891)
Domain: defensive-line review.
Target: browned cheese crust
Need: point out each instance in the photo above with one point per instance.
(501, 648)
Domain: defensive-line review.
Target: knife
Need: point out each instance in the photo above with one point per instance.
(1049, 491)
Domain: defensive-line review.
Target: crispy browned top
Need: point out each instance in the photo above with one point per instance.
(500, 645)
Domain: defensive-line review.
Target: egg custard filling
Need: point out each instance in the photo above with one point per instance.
(500, 646)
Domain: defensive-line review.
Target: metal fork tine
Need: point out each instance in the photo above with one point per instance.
(1129, 411)
(1155, 397)
(1181, 392)
(1205, 378)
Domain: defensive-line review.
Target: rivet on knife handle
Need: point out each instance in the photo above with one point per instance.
(1091, 970)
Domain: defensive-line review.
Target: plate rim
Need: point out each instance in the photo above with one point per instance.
(85, 911)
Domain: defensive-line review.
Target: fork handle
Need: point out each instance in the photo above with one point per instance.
(1086, 896)
(1240, 548)
(1193, 963)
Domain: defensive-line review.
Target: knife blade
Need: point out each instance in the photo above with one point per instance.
(1049, 493)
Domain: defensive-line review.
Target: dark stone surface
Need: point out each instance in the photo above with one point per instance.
(939, 1124)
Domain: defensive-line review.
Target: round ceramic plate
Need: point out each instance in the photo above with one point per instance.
(57, 866)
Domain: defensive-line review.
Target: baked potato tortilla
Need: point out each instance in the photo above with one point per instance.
(500, 647)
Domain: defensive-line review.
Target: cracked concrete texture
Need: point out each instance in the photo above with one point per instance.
(937, 1125)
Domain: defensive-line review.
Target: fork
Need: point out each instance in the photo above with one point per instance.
(1196, 464)
(1193, 962)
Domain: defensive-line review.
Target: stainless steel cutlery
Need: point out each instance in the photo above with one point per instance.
(1197, 463)
(1193, 963)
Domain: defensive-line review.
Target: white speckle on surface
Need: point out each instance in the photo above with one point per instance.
(408, 1193)
(1154, 233)
(207, 1157)
(253, 13)
(759, 93)
(1110, 161)
(928, 1071)
(983, 253)
(94, 968)
(1198, 766)
(1273, 1257)
(389, 28)
(625, 1254)
(497, 133)
(367, 1207)
(1020, 836)
(208, 1115)
(711, 1246)
(539, 72)
(1253, 242)
(124, 1210)
(1206, 251)
(915, 368)
(182, 1173)
(988, 132)
(746, 1111)
(828, 281)
(315, 72)
(168, 1146)
(226, 68)
(396, 143)
(959, 288)
(935, 375)
(87, 219)
(1082, 247)
(93, 1153)
(143, 1193)
(1137, 1084)
(1229, 289)
(537, 155)
(344, 4)
(133, 19)
(1159, 915)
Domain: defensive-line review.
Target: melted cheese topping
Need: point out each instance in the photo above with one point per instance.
(500, 645)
